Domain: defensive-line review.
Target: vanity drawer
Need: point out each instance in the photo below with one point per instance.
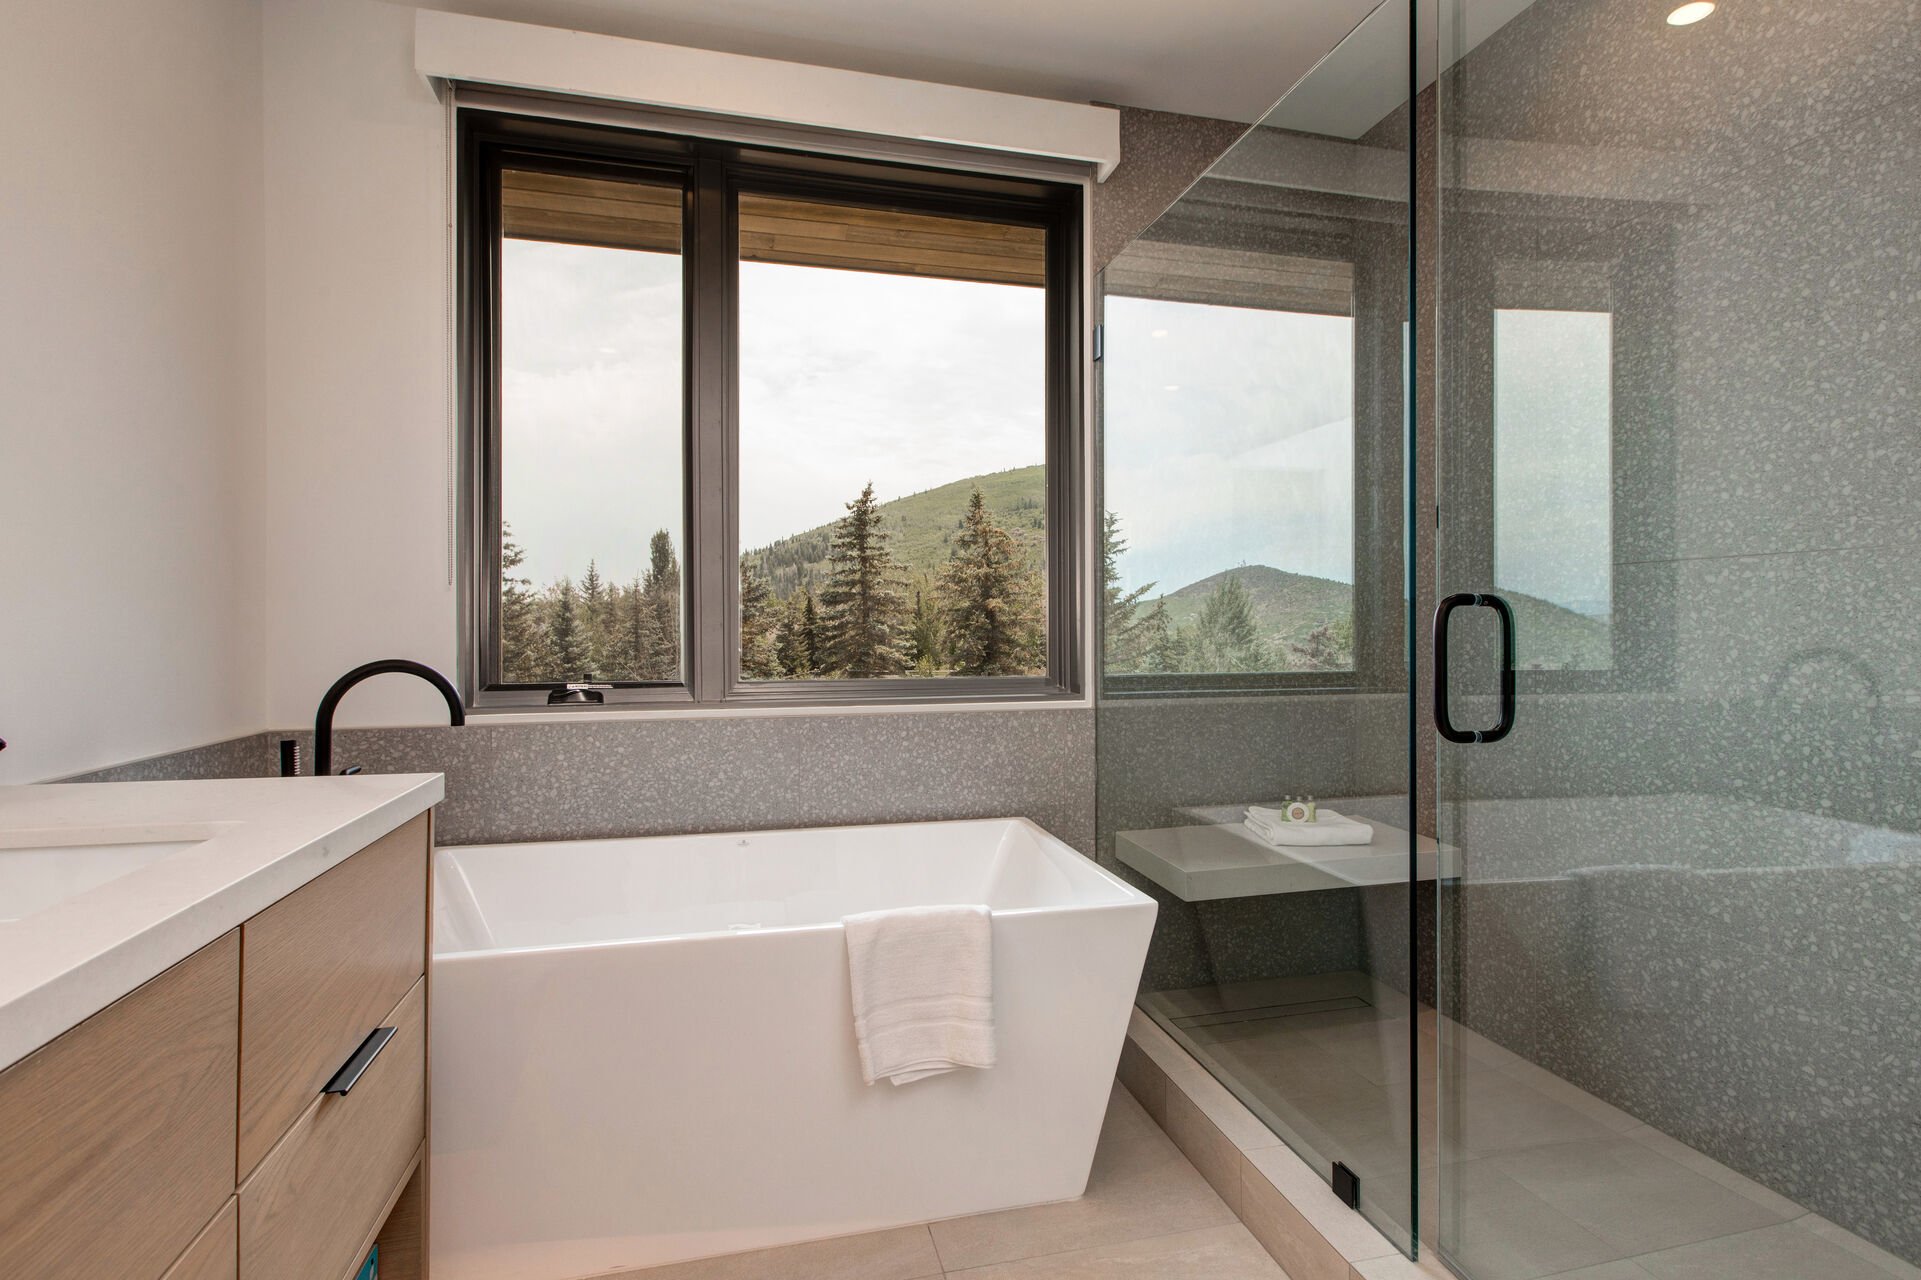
(118, 1136)
(216, 1254)
(320, 1192)
(320, 969)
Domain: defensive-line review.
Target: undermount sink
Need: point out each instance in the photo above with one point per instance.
(41, 869)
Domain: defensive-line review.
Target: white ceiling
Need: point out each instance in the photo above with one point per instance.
(1232, 59)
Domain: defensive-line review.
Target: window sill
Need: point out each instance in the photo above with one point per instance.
(522, 715)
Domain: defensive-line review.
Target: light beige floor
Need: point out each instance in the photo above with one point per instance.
(1536, 1178)
(1147, 1215)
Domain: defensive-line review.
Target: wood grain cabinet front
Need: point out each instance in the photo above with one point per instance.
(321, 1193)
(323, 966)
(117, 1138)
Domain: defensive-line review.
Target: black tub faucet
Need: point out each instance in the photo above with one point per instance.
(323, 725)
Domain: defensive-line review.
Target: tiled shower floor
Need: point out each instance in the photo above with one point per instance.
(1541, 1178)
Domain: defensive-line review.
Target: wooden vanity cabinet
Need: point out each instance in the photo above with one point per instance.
(183, 1132)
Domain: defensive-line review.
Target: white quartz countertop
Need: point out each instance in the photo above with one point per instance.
(219, 852)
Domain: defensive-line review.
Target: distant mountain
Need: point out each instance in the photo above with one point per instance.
(1287, 606)
(921, 529)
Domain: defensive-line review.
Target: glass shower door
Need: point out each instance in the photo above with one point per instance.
(1253, 443)
(1677, 453)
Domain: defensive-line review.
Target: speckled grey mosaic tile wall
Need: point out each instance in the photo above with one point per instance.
(661, 777)
(245, 757)
(653, 777)
(1692, 884)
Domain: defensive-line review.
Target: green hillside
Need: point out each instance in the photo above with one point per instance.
(1287, 606)
(921, 528)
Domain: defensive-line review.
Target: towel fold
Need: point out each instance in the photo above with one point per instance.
(1330, 828)
(923, 987)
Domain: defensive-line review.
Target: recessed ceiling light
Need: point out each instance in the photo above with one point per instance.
(1689, 14)
(1172, 386)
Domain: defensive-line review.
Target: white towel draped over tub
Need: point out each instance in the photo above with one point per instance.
(923, 987)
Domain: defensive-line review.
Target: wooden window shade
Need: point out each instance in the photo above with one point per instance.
(636, 215)
(598, 211)
(1174, 272)
(803, 233)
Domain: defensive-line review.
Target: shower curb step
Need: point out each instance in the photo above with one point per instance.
(1282, 1202)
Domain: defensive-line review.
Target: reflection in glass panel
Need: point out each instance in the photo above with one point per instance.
(1230, 480)
(1254, 436)
(591, 498)
(893, 407)
(1553, 484)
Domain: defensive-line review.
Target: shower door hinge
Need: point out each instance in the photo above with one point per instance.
(1347, 1185)
(1100, 334)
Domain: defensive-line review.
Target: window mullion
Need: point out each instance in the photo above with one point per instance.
(710, 397)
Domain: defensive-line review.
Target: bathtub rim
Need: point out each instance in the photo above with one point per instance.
(1051, 845)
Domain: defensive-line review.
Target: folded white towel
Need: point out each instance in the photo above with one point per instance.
(923, 987)
(1329, 828)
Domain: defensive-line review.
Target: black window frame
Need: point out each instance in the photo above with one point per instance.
(713, 175)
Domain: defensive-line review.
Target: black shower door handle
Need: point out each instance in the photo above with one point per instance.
(1443, 614)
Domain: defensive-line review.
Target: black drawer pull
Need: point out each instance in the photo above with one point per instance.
(353, 1068)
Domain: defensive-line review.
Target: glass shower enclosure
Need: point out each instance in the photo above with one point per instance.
(1512, 444)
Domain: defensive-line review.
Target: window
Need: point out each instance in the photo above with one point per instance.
(750, 426)
(1553, 484)
(1228, 427)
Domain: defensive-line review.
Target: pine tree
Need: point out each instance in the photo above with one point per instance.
(525, 656)
(1164, 647)
(990, 600)
(662, 591)
(759, 626)
(1225, 636)
(633, 634)
(861, 606)
(1328, 647)
(926, 637)
(1123, 625)
(596, 620)
(796, 643)
(565, 634)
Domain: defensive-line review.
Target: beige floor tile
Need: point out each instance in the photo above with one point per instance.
(1784, 1252)
(1350, 1234)
(1213, 1253)
(1629, 1195)
(1854, 1244)
(1499, 1113)
(906, 1253)
(1304, 1254)
(1141, 1186)
(1623, 1270)
(1688, 1158)
(1144, 1079)
(1496, 1229)
(1205, 1146)
(1229, 1114)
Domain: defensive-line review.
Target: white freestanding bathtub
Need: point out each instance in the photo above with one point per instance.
(643, 1049)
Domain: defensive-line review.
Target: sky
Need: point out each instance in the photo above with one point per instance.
(1228, 431)
(846, 377)
(1229, 440)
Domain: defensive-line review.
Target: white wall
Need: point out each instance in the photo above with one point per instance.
(129, 304)
(356, 349)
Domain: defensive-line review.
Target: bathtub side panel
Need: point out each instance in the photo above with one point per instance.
(621, 1106)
